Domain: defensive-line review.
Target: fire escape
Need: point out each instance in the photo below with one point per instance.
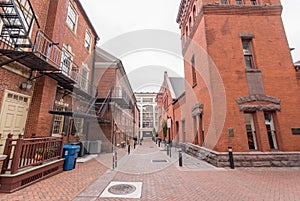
(43, 56)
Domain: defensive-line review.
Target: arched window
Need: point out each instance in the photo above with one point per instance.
(190, 24)
(186, 30)
(194, 13)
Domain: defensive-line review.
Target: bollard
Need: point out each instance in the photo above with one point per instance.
(134, 145)
(116, 159)
(170, 151)
(231, 157)
(128, 149)
(167, 150)
(180, 157)
(158, 143)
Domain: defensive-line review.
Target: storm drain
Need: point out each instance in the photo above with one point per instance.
(159, 161)
(123, 190)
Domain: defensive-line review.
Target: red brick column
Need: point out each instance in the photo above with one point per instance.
(262, 132)
(39, 120)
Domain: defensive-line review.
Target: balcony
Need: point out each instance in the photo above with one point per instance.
(49, 59)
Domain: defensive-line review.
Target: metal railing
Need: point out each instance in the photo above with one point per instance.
(50, 52)
(25, 152)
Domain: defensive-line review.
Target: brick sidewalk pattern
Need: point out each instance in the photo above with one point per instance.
(196, 180)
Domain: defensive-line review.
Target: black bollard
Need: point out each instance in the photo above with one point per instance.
(134, 145)
(158, 143)
(231, 157)
(170, 150)
(180, 158)
(128, 149)
(167, 149)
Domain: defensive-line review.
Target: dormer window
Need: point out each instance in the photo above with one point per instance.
(253, 2)
(194, 13)
(224, 1)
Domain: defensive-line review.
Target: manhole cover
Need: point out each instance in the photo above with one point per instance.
(122, 189)
(159, 161)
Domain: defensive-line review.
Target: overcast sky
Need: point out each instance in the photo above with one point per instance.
(119, 21)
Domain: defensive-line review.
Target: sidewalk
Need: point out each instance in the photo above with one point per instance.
(149, 174)
(161, 178)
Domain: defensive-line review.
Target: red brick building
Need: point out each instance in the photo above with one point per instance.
(47, 51)
(241, 88)
(118, 113)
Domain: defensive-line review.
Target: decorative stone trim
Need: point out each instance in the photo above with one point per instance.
(197, 106)
(252, 98)
(252, 108)
(247, 35)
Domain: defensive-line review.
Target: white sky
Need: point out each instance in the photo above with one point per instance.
(112, 19)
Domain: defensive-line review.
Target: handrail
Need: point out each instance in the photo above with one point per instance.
(26, 152)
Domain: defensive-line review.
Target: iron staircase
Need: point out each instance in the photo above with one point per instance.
(17, 20)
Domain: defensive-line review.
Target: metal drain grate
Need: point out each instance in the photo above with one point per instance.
(159, 161)
(122, 189)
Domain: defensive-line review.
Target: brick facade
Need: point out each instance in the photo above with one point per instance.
(213, 38)
(47, 90)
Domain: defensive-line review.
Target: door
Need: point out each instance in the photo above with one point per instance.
(13, 115)
(271, 130)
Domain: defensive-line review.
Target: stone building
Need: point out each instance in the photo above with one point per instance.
(240, 84)
(47, 51)
(147, 104)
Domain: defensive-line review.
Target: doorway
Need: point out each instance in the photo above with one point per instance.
(13, 115)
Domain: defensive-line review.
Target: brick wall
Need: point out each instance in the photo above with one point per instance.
(216, 44)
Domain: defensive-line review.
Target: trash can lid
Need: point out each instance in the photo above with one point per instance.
(69, 146)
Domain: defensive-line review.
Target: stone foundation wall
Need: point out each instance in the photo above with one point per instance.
(245, 159)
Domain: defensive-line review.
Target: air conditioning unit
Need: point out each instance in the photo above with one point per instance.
(95, 147)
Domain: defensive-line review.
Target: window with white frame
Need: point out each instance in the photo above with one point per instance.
(85, 77)
(248, 53)
(72, 18)
(66, 62)
(88, 40)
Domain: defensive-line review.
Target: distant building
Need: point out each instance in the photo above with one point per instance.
(148, 114)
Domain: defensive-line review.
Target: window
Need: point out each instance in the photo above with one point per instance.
(224, 1)
(194, 78)
(58, 122)
(270, 126)
(253, 2)
(186, 30)
(239, 2)
(194, 13)
(166, 102)
(88, 40)
(66, 63)
(190, 24)
(85, 77)
(250, 131)
(248, 56)
(147, 100)
(72, 18)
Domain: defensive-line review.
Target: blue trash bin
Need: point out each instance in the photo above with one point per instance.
(70, 153)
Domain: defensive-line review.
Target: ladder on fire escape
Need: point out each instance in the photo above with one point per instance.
(17, 21)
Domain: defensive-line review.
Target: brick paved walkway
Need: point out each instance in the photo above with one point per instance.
(197, 180)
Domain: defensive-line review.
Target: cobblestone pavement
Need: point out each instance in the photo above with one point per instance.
(163, 179)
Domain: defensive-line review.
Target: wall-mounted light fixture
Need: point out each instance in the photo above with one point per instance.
(27, 85)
